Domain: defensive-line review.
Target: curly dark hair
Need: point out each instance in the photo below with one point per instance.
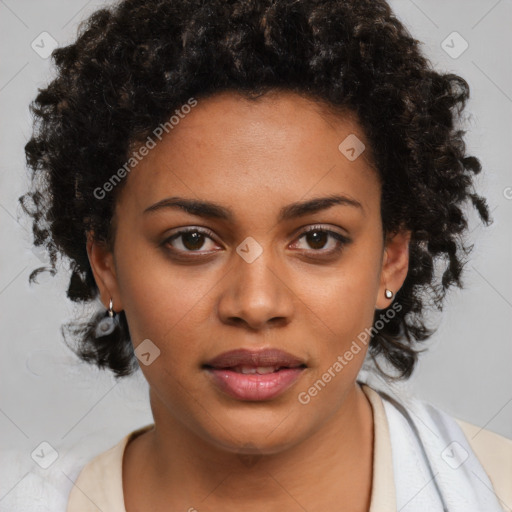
(133, 64)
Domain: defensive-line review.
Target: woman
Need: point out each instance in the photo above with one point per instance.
(262, 194)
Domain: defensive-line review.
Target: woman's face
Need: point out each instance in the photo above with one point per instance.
(251, 278)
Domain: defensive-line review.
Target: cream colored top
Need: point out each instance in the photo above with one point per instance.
(99, 485)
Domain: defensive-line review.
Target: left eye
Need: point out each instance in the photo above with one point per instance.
(317, 238)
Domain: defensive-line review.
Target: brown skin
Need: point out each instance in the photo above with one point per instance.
(253, 158)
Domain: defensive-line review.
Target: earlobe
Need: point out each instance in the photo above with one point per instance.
(395, 265)
(101, 260)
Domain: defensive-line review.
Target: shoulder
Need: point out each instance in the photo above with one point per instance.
(44, 479)
(495, 454)
(447, 443)
(100, 482)
(25, 485)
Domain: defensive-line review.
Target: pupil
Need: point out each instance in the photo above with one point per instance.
(193, 240)
(314, 237)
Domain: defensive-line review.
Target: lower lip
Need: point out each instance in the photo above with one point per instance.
(254, 386)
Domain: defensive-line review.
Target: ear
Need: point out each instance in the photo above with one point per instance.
(102, 263)
(395, 264)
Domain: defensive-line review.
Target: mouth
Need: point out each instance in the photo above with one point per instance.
(254, 376)
(251, 370)
(270, 358)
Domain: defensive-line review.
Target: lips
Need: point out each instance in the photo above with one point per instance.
(254, 375)
(267, 358)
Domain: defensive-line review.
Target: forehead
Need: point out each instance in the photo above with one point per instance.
(232, 150)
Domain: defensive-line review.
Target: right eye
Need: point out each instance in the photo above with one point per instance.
(188, 240)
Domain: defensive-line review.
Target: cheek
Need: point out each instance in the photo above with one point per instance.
(345, 299)
(160, 301)
(345, 307)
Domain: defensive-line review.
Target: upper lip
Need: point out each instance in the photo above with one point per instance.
(262, 358)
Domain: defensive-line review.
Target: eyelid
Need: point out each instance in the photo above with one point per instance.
(319, 227)
(298, 234)
(299, 231)
(184, 230)
(191, 229)
(341, 239)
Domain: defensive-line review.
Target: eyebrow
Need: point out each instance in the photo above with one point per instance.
(210, 210)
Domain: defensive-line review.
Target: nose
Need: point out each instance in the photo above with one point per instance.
(257, 294)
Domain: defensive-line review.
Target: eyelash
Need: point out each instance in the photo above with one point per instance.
(342, 240)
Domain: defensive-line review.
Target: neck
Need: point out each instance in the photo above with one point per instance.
(333, 465)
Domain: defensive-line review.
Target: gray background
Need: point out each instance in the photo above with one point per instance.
(46, 394)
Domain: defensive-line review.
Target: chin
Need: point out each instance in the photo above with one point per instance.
(256, 433)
